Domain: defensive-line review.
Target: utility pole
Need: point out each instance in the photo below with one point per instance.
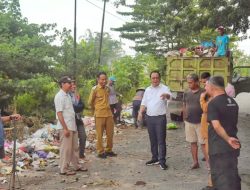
(74, 51)
(101, 38)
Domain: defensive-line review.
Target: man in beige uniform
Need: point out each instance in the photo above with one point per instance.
(69, 150)
(99, 103)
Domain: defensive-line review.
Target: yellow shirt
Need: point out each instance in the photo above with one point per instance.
(99, 101)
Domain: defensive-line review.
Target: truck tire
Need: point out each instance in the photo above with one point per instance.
(175, 117)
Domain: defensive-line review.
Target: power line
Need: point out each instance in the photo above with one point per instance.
(106, 11)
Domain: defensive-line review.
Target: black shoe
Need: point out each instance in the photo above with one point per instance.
(163, 166)
(152, 162)
(111, 154)
(103, 155)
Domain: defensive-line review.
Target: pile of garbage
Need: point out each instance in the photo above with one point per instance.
(126, 114)
(41, 148)
(205, 49)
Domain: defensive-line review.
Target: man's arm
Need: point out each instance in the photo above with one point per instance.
(203, 102)
(233, 142)
(167, 94)
(91, 99)
(11, 117)
(62, 121)
(59, 107)
(142, 107)
(141, 111)
(184, 112)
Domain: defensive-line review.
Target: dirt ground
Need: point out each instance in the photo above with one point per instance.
(128, 170)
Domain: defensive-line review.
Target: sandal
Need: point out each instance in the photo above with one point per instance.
(68, 173)
(82, 169)
(195, 166)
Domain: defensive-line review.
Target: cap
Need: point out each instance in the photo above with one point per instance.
(140, 89)
(112, 78)
(221, 28)
(65, 79)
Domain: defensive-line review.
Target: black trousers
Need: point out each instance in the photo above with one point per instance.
(136, 108)
(114, 111)
(82, 138)
(224, 171)
(157, 135)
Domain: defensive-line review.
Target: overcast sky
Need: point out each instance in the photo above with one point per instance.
(89, 16)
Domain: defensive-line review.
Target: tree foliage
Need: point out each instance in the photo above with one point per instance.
(87, 53)
(32, 60)
(132, 73)
(25, 50)
(161, 25)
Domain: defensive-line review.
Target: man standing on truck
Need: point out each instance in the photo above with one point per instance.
(222, 42)
(155, 105)
(224, 146)
(192, 117)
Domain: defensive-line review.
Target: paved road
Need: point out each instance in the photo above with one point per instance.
(129, 167)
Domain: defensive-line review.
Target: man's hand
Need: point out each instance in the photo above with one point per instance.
(165, 96)
(203, 95)
(15, 117)
(139, 118)
(66, 132)
(234, 142)
(78, 96)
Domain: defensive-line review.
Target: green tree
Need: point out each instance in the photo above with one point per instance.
(158, 26)
(133, 72)
(87, 54)
(25, 50)
(241, 59)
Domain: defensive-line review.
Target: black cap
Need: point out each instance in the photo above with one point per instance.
(217, 81)
(65, 79)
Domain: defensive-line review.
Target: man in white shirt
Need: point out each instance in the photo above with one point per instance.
(65, 114)
(155, 104)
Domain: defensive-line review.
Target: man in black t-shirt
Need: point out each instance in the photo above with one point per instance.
(224, 146)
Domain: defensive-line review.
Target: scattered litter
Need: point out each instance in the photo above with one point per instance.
(171, 126)
(140, 183)
(38, 150)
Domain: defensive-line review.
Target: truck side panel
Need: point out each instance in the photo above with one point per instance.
(178, 69)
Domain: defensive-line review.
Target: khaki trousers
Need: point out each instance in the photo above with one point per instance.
(107, 124)
(69, 151)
